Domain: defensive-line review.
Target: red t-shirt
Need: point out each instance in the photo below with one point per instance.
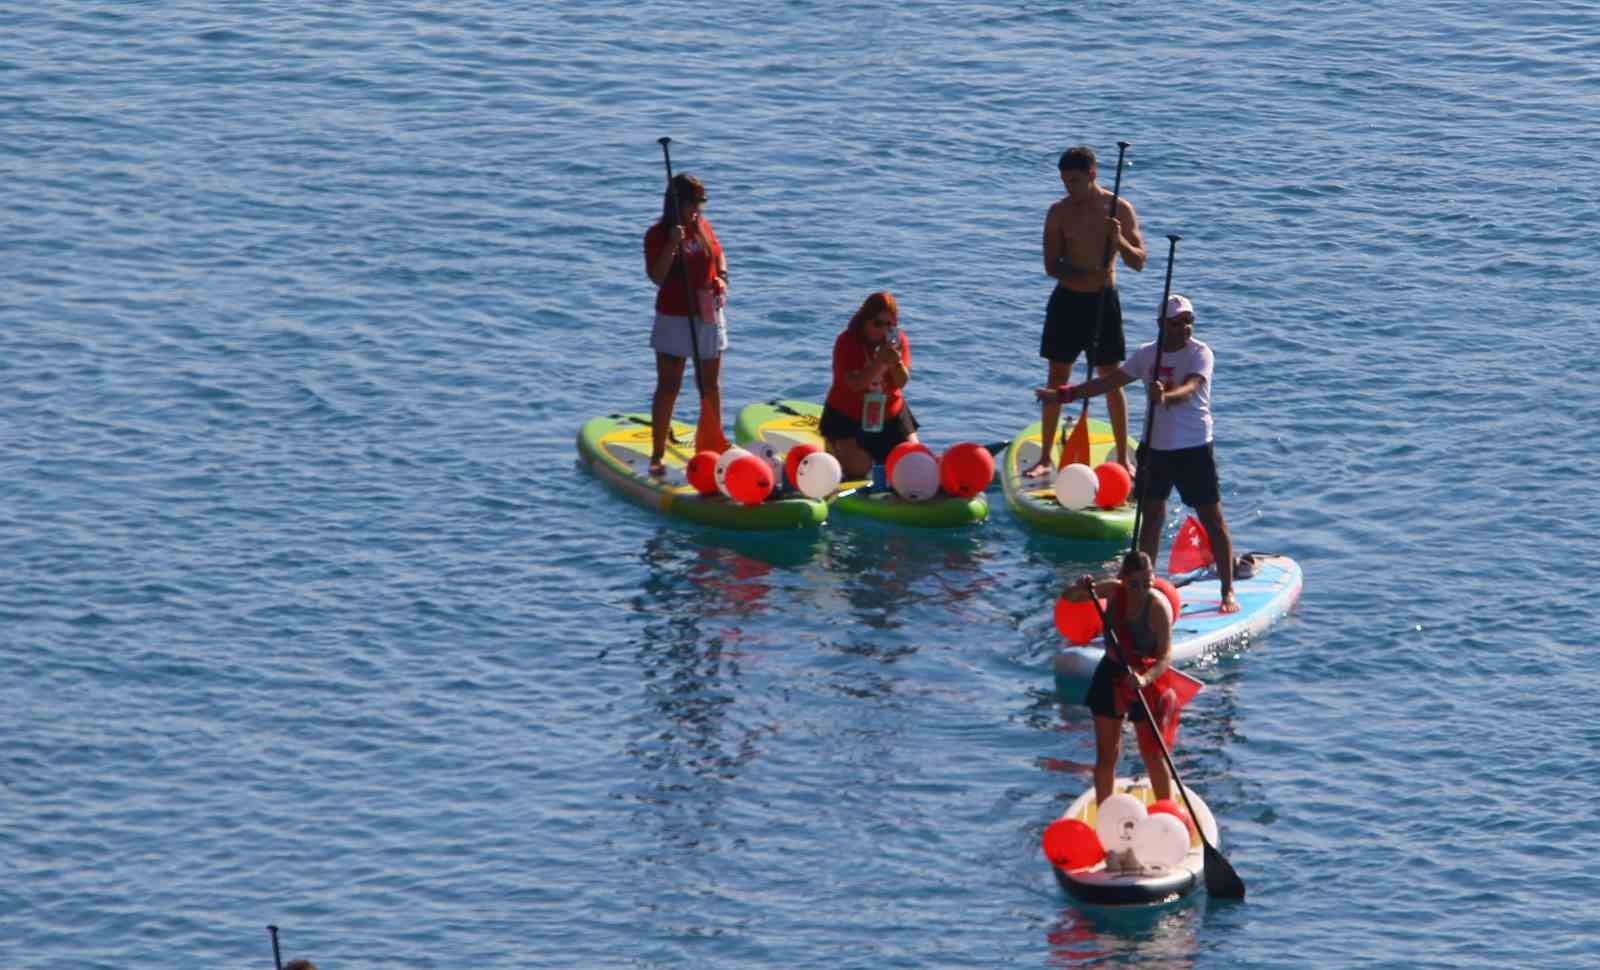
(704, 253)
(850, 353)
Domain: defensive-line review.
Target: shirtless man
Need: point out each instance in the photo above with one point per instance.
(1075, 233)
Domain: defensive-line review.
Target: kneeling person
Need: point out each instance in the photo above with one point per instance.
(865, 414)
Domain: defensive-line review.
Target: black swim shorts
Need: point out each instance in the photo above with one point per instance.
(1069, 327)
(1193, 470)
(1102, 697)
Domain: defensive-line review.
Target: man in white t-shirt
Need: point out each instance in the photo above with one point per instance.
(1179, 450)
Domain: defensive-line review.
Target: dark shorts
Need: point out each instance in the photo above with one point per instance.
(836, 425)
(1069, 328)
(1102, 699)
(1193, 470)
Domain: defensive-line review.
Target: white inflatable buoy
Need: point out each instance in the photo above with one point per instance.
(916, 476)
(818, 474)
(1117, 819)
(1076, 486)
(1160, 840)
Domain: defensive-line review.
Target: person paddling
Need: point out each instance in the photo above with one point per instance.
(685, 261)
(1080, 233)
(1181, 450)
(1142, 622)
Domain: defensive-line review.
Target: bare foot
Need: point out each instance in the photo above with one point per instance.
(658, 468)
(1229, 603)
(1041, 469)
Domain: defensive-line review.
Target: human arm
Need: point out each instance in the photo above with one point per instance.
(1196, 359)
(1054, 245)
(897, 369)
(660, 249)
(1079, 591)
(1128, 241)
(1169, 396)
(1066, 393)
(884, 364)
(719, 257)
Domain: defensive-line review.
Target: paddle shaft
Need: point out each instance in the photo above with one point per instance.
(1221, 879)
(1150, 409)
(1105, 259)
(277, 958)
(683, 268)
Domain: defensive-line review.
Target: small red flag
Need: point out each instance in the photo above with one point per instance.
(1191, 549)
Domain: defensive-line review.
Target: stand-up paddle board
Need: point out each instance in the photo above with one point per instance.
(1033, 500)
(616, 448)
(785, 424)
(1125, 880)
(1199, 630)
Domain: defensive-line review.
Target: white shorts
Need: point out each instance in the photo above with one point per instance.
(671, 336)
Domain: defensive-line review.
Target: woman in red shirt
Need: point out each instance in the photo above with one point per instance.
(871, 363)
(671, 251)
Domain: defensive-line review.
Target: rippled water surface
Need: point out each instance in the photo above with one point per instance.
(311, 618)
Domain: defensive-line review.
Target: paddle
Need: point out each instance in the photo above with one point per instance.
(277, 959)
(683, 268)
(1149, 409)
(1100, 306)
(1221, 881)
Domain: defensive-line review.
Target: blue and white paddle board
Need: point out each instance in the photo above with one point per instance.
(1200, 630)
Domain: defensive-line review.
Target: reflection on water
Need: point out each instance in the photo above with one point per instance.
(1145, 936)
(690, 738)
(882, 576)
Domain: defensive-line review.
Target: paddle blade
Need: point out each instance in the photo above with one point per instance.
(1221, 881)
(1075, 449)
(1191, 549)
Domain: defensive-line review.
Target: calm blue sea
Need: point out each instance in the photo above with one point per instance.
(309, 616)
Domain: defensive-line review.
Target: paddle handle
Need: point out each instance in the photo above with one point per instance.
(1105, 258)
(683, 270)
(1149, 409)
(277, 958)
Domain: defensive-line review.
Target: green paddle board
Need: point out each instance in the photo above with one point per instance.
(1033, 500)
(617, 449)
(783, 424)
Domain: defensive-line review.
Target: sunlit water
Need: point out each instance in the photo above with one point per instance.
(311, 617)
